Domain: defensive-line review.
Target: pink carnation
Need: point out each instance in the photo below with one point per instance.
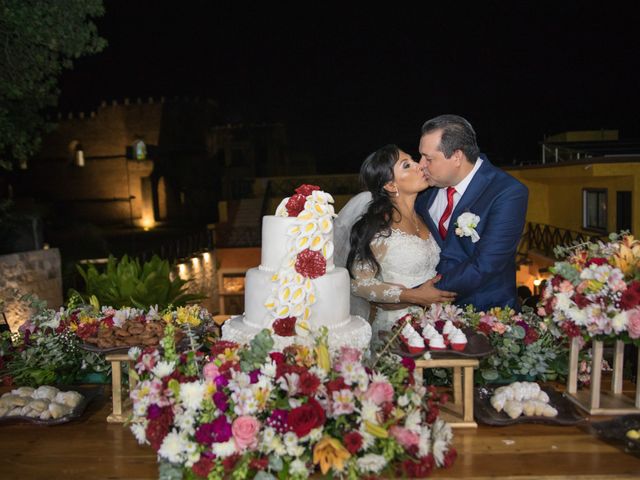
(379, 392)
(634, 323)
(210, 371)
(245, 432)
(349, 354)
(405, 437)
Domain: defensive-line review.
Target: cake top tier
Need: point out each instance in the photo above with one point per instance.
(302, 228)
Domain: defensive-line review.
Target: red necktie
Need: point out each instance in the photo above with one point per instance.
(447, 212)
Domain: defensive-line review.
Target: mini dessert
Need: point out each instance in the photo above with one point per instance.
(429, 332)
(436, 343)
(412, 339)
(522, 398)
(448, 329)
(458, 340)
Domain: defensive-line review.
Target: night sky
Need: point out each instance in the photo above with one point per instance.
(346, 81)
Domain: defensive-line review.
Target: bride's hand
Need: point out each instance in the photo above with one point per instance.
(427, 293)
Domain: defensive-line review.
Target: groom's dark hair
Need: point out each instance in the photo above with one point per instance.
(457, 134)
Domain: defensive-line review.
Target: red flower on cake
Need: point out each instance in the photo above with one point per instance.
(285, 327)
(295, 204)
(306, 189)
(311, 264)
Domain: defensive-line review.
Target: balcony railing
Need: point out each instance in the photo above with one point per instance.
(544, 238)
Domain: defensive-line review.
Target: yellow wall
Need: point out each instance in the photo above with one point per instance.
(555, 191)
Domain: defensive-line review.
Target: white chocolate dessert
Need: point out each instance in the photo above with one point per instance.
(522, 398)
(43, 403)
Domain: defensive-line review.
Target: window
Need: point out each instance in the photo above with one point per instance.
(594, 207)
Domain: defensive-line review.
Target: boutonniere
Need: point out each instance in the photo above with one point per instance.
(466, 226)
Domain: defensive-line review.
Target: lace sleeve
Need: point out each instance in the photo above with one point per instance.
(367, 284)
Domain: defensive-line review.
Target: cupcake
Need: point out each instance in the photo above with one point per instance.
(437, 343)
(448, 329)
(428, 332)
(412, 339)
(458, 340)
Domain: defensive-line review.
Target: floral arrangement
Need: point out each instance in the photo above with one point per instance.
(595, 291)
(250, 412)
(524, 345)
(310, 246)
(45, 352)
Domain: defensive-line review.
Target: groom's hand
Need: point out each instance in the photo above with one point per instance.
(427, 293)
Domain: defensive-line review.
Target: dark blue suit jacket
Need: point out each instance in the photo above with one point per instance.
(483, 273)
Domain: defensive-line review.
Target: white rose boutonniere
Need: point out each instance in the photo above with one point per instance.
(466, 226)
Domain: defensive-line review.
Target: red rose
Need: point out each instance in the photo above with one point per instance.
(305, 418)
(277, 357)
(432, 414)
(230, 462)
(581, 300)
(284, 368)
(306, 189)
(631, 296)
(158, 428)
(353, 442)
(485, 328)
(285, 327)
(556, 280)
(336, 385)
(259, 463)
(308, 383)
(409, 364)
(420, 469)
(450, 457)
(530, 337)
(202, 467)
(295, 204)
(311, 264)
(596, 261)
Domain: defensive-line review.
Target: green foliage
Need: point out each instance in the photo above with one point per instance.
(125, 283)
(39, 40)
(254, 357)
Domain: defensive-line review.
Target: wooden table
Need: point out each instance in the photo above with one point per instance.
(91, 448)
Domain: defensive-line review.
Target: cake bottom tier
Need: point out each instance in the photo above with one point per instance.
(355, 333)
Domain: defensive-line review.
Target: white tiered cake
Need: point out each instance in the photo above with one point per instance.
(298, 283)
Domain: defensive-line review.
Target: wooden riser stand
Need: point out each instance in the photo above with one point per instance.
(595, 401)
(121, 411)
(458, 414)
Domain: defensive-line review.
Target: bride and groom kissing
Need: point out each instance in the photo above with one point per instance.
(441, 229)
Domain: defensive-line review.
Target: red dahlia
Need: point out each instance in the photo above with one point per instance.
(353, 442)
(306, 189)
(285, 327)
(311, 264)
(295, 204)
(308, 383)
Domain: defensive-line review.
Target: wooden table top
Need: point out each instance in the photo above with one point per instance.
(90, 448)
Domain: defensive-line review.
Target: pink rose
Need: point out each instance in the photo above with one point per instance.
(499, 328)
(379, 392)
(634, 323)
(565, 287)
(210, 371)
(405, 437)
(245, 432)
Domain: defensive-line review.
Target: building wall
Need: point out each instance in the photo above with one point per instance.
(37, 272)
(555, 191)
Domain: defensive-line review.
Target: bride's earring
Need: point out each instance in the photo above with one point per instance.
(397, 193)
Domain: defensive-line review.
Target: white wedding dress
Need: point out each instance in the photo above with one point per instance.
(405, 260)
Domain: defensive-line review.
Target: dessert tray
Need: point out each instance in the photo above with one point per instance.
(486, 414)
(88, 395)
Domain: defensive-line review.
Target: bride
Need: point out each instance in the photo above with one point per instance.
(392, 256)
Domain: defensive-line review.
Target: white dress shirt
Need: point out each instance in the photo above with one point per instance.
(439, 205)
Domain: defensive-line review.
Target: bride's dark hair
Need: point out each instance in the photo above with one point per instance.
(375, 173)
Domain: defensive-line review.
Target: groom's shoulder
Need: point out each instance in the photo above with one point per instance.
(503, 180)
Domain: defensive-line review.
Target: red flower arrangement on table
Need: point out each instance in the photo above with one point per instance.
(251, 410)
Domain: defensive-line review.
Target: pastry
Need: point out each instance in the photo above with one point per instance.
(70, 398)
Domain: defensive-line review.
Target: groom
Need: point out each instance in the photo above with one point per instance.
(477, 259)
